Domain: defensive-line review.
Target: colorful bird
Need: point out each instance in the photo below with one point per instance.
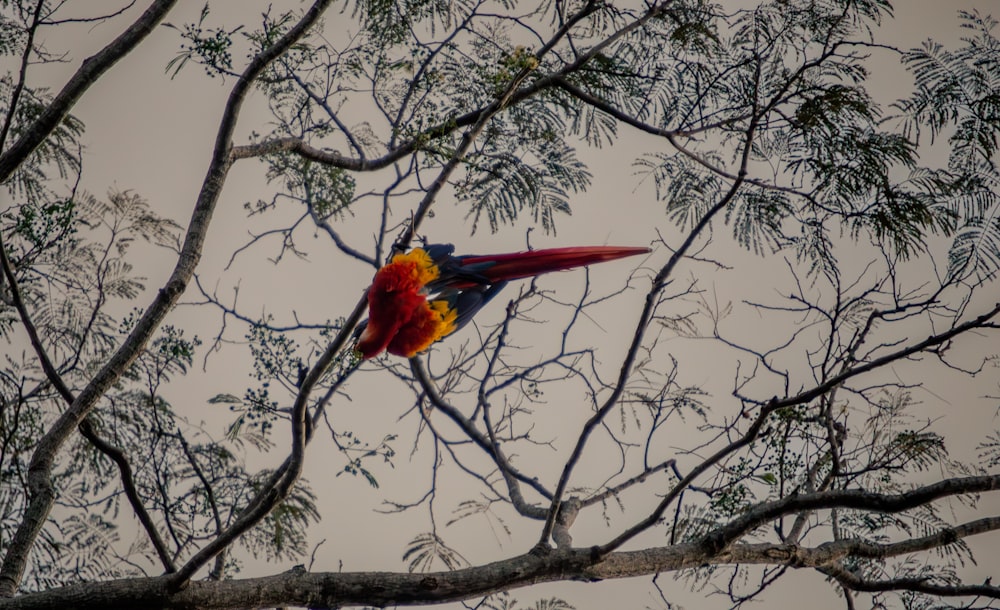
(428, 293)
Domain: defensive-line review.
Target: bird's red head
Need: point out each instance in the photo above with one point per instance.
(396, 300)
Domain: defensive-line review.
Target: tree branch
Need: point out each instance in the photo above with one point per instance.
(479, 439)
(860, 499)
(269, 497)
(88, 73)
(128, 483)
(854, 582)
(379, 589)
(658, 284)
(21, 76)
(85, 427)
(981, 321)
(39, 481)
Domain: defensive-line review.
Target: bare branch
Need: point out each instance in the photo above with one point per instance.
(15, 97)
(510, 473)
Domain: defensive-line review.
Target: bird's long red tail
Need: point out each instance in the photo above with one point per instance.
(517, 265)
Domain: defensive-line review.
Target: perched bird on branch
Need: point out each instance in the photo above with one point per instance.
(428, 293)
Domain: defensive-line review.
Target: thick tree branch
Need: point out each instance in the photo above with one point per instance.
(332, 159)
(320, 590)
(41, 494)
(335, 590)
(853, 582)
(114, 453)
(89, 72)
(39, 474)
(858, 499)
(260, 507)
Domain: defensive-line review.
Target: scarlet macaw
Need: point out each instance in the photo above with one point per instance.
(428, 293)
